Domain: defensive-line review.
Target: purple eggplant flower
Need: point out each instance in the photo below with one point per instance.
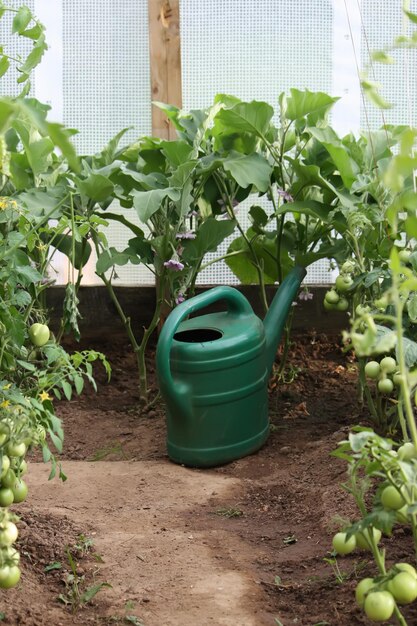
(180, 298)
(188, 235)
(174, 264)
(287, 197)
(305, 294)
(223, 207)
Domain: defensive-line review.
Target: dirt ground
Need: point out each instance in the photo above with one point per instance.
(240, 545)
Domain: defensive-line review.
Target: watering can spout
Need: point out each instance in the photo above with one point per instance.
(276, 317)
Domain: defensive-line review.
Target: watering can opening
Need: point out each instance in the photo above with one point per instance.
(198, 335)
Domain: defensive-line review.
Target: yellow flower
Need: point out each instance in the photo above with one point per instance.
(7, 386)
(4, 404)
(44, 396)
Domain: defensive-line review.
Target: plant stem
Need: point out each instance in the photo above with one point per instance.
(126, 323)
(403, 423)
(405, 391)
(255, 260)
(287, 343)
(141, 350)
(365, 389)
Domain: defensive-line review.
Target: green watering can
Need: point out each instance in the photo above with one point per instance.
(213, 373)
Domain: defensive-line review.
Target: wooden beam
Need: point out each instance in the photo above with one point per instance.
(165, 61)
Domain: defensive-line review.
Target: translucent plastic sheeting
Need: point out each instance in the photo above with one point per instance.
(254, 50)
(382, 23)
(106, 70)
(97, 74)
(13, 46)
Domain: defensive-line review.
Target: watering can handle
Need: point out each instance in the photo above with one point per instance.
(179, 394)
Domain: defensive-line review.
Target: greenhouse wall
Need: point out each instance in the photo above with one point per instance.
(97, 74)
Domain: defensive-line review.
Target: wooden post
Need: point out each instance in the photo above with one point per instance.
(165, 61)
(165, 70)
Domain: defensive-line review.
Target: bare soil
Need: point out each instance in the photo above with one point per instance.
(240, 545)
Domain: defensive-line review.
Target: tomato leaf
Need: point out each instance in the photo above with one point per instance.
(4, 65)
(21, 20)
(67, 389)
(55, 440)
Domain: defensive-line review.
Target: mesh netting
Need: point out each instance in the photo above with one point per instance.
(14, 46)
(254, 49)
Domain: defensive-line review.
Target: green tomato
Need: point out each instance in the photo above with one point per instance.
(381, 303)
(327, 306)
(9, 576)
(342, 545)
(8, 533)
(403, 587)
(343, 283)
(40, 434)
(406, 567)
(372, 370)
(348, 267)
(5, 465)
(404, 255)
(362, 539)
(407, 451)
(20, 491)
(342, 305)
(362, 590)
(16, 449)
(21, 468)
(391, 498)
(10, 555)
(8, 479)
(398, 379)
(402, 515)
(6, 496)
(39, 334)
(379, 605)
(385, 386)
(362, 310)
(388, 364)
(332, 297)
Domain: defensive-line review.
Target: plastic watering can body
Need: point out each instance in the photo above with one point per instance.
(213, 372)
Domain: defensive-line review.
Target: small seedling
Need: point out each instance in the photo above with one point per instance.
(103, 453)
(52, 566)
(75, 596)
(341, 575)
(84, 544)
(132, 619)
(290, 540)
(232, 512)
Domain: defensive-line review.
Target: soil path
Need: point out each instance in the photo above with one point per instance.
(245, 544)
(154, 556)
